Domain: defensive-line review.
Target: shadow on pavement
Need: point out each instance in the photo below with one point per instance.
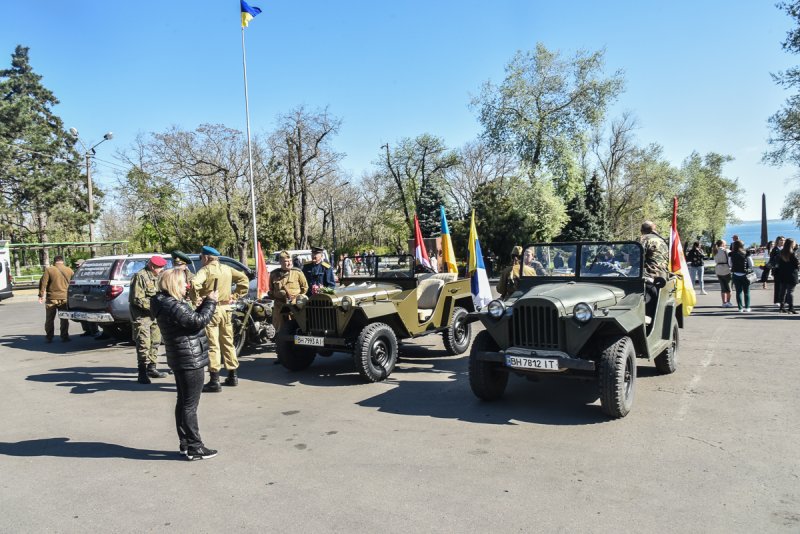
(64, 448)
(76, 344)
(93, 379)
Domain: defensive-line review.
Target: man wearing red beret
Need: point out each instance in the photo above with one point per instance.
(145, 330)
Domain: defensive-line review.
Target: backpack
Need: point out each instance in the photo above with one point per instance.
(721, 259)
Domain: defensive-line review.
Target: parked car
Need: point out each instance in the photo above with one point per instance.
(6, 282)
(368, 314)
(584, 315)
(98, 291)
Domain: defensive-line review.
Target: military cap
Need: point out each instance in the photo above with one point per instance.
(180, 258)
(516, 251)
(284, 255)
(157, 261)
(315, 250)
(209, 251)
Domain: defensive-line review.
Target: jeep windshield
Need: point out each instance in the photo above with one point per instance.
(382, 267)
(584, 260)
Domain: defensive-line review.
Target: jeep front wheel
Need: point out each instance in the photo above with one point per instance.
(667, 361)
(488, 380)
(291, 356)
(617, 377)
(457, 336)
(375, 353)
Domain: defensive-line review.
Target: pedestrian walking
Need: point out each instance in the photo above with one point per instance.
(146, 334)
(786, 273)
(766, 270)
(723, 271)
(53, 286)
(285, 284)
(741, 265)
(696, 260)
(186, 345)
(214, 276)
(773, 262)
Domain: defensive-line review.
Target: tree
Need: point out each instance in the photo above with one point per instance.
(596, 208)
(40, 183)
(544, 108)
(430, 199)
(579, 226)
(409, 167)
(785, 123)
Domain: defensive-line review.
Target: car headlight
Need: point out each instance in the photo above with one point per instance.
(301, 301)
(496, 309)
(582, 312)
(347, 303)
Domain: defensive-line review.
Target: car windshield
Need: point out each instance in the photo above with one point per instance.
(597, 260)
(95, 270)
(382, 267)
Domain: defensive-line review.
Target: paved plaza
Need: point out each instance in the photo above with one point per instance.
(711, 448)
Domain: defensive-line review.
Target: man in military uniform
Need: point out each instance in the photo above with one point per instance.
(216, 276)
(509, 278)
(181, 262)
(53, 287)
(285, 284)
(145, 329)
(318, 273)
(656, 263)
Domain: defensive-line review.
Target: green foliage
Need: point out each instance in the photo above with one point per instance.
(543, 109)
(431, 197)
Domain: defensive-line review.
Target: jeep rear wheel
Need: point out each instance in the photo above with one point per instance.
(667, 361)
(293, 357)
(488, 380)
(457, 336)
(617, 377)
(375, 354)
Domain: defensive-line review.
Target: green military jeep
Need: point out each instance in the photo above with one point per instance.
(369, 312)
(584, 315)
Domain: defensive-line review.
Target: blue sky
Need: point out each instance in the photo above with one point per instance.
(698, 73)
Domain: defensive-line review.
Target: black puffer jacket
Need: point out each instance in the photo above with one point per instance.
(183, 330)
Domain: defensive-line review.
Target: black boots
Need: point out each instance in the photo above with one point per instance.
(232, 379)
(143, 378)
(213, 385)
(152, 372)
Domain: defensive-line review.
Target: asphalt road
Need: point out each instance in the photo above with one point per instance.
(711, 448)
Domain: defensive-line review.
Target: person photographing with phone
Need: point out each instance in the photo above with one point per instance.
(214, 276)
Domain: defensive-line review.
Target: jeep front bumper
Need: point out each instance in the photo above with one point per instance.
(563, 361)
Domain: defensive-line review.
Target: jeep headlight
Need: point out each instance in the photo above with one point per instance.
(496, 309)
(301, 301)
(347, 303)
(582, 312)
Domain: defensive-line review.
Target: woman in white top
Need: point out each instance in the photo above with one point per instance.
(723, 271)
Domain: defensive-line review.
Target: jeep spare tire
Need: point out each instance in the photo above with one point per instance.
(488, 380)
(617, 377)
(375, 354)
(458, 334)
(293, 357)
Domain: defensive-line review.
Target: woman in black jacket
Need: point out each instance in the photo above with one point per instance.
(186, 344)
(786, 272)
(773, 262)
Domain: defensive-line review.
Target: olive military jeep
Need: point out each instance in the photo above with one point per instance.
(584, 315)
(367, 314)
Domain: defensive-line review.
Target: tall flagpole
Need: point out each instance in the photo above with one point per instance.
(250, 160)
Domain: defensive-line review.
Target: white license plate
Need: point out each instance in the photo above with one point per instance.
(523, 362)
(309, 340)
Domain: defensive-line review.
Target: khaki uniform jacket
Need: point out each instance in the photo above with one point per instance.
(203, 282)
(144, 285)
(54, 283)
(285, 286)
(656, 256)
(510, 278)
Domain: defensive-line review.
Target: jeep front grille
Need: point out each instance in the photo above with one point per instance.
(321, 316)
(535, 326)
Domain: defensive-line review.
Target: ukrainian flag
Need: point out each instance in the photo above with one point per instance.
(248, 13)
(448, 256)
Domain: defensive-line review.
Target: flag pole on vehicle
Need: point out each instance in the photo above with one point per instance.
(684, 290)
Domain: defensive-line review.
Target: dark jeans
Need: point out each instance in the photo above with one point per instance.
(190, 385)
(787, 295)
(742, 285)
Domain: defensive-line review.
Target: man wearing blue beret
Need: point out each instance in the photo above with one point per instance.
(215, 276)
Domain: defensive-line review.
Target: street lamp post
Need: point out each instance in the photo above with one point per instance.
(88, 153)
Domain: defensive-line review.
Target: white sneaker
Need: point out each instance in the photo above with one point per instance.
(704, 292)
(742, 310)
(748, 310)
(727, 305)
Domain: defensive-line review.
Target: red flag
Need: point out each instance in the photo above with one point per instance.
(261, 274)
(420, 254)
(684, 293)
